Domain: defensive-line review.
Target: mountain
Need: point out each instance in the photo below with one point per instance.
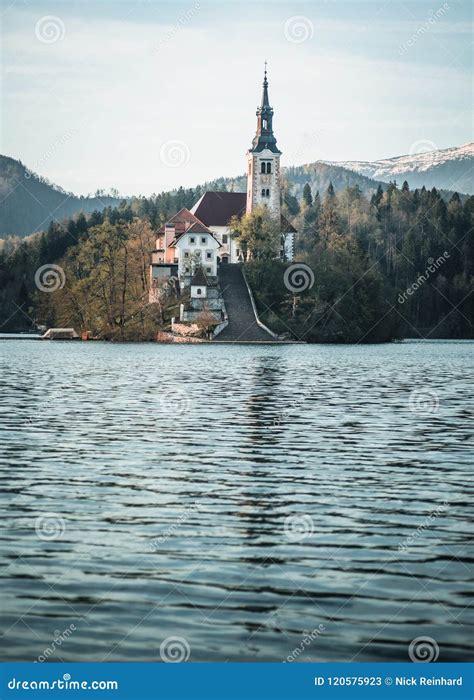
(448, 169)
(318, 175)
(29, 202)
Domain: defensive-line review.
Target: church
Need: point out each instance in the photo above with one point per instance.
(201, 237)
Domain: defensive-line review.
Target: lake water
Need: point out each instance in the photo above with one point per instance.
(250, 500)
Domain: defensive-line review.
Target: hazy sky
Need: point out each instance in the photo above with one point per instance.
(145, 96)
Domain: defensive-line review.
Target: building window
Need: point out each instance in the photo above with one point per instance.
(262, 168)
(192, 239)
(186, 269)
(208, 255)
(263, 193)
(203, 240)
(267, 193)
(265, 124)
(197, 253)
(225, 238)
(269, 168)
(209, 270)
(186, 254)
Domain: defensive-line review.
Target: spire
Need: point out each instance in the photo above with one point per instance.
(265, 102)
(264, 137)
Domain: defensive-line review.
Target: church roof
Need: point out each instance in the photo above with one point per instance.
(199, 278)
(217, 208)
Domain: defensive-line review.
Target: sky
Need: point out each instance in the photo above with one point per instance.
(144, 96)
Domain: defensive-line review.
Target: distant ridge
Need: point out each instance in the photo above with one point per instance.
(29, 202)
(447, 168)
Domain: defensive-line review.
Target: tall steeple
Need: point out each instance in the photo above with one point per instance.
(264, 137)
(263, 159)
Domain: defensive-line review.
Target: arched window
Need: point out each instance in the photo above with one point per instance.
(199, 291)
(263, 193)
(262, 168)
(269, 167)
(267, 193)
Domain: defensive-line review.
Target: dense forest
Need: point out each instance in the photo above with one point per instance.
(394, 264)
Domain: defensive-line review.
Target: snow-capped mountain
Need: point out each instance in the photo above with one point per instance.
(447, 168)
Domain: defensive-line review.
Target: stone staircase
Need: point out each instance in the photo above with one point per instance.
(243, 326)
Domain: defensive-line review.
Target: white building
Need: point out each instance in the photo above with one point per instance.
(202, 237)
(197, 247)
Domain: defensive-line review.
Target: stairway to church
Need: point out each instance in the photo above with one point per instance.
(242, 324)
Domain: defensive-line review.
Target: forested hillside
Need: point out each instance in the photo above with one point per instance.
(29, 203)
(396, 263)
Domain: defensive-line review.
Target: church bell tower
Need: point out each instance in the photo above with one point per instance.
(263, 158)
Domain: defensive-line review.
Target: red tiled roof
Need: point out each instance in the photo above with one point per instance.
(198, 227)
(217, 208)
(180, 220)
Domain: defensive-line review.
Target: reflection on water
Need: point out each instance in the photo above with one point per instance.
(238, 497)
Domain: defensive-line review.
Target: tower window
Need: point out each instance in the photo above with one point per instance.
(263, 193)
(265, 124)
(262, 168)
(267, 193)
(269, 167)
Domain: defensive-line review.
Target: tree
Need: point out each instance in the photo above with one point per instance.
(258, 233)
(307, 196)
